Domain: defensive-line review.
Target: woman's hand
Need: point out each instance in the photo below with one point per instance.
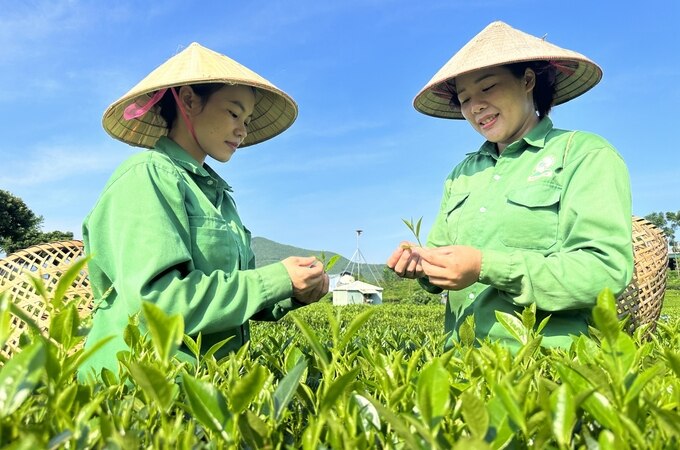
(307, 275)
(453, 267)
(405, 261)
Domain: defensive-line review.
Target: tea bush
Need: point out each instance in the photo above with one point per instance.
(346, 377)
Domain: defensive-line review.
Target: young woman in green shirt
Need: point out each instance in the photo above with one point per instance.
(166, 229)
(537, 215)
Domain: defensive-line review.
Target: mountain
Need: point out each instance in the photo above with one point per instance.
(267, 252)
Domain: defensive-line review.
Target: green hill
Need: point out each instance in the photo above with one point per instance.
(267, 251)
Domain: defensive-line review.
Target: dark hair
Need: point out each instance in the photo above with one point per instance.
(169, 106)
(544, 90)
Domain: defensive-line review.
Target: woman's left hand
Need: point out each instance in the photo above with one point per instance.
(453, 267)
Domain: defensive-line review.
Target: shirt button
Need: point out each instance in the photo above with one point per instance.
(471, 296)
(210, 182)
(496, 177)
(482, 209)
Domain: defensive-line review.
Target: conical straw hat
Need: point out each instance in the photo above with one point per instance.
(274, 110)
(500, 44)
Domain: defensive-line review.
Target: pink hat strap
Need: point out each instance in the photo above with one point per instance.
(134, 111)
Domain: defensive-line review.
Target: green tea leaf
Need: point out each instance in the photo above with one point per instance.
(337, 387)
(64, 326)
(673, 361)
(331, 262)
(466, 332)
(504, 392)
(529, 316)
(563, 415)
(166, 331)
(313, 341)
(207, 404)
(357, 322)
(513, 325)
(475, 415)
(6, 327)
(605, 316)
(154, 384)
(368, 414)
(253, 429)
(19, 376)
(287, 387)
(66, 280)
(432, 392)
(247, 388)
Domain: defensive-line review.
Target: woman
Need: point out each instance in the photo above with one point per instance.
(537, 215)
(166, 229)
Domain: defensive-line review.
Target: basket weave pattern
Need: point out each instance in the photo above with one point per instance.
(48, 262)
(643, 298)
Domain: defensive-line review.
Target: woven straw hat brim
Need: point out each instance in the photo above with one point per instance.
(499, 44)
(274, 111)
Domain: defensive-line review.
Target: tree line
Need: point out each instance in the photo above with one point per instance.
(21, 228)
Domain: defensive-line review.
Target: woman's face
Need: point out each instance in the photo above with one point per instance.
(497, 104)
(221, 124)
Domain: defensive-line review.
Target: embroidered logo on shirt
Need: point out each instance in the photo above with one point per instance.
(542, 169)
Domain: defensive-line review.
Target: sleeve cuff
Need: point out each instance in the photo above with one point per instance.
(496, 269)
(275, 282)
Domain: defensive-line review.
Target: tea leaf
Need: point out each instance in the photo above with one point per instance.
(466, 333)
(287, 387)
(504, 392)
(253, 429)
(19, 376)
(207, 404)
(357, 322)
(513, 325)
(154, 384)
(331, 262)
(6, 327)
(166, 331)
(247, 387)
(368, 414)
(605, 316)
(64, 326)
(432, 392)
(641, 381)
(337, 387)
(475, 414)
(313, 341)
(563, 415)
(67, 279)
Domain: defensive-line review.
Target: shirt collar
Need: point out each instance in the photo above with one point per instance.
(182, 159)
(535, 138)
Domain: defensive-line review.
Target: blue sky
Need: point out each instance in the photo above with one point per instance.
(359, 156)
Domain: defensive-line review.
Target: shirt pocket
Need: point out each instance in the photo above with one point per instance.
(213, 245)
(453, 211)
(530, 218)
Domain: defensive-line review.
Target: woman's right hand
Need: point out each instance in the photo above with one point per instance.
(405, 261)
(307, 275)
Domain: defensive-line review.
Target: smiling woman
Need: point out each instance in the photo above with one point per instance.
(166, 229)
(538, 215)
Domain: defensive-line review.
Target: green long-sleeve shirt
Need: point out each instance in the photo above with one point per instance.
(552, 217)
(166, 230)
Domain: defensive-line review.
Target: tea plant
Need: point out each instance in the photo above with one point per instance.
(348, 377)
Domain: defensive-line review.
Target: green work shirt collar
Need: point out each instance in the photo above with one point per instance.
(534, 138)
(184, 160)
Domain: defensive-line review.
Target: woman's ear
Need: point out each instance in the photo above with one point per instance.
(190, 101)
(529, 79)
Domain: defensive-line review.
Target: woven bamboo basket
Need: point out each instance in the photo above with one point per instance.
(643, 298)
(48, 262)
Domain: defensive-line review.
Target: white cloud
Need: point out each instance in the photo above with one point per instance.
(48, 164)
